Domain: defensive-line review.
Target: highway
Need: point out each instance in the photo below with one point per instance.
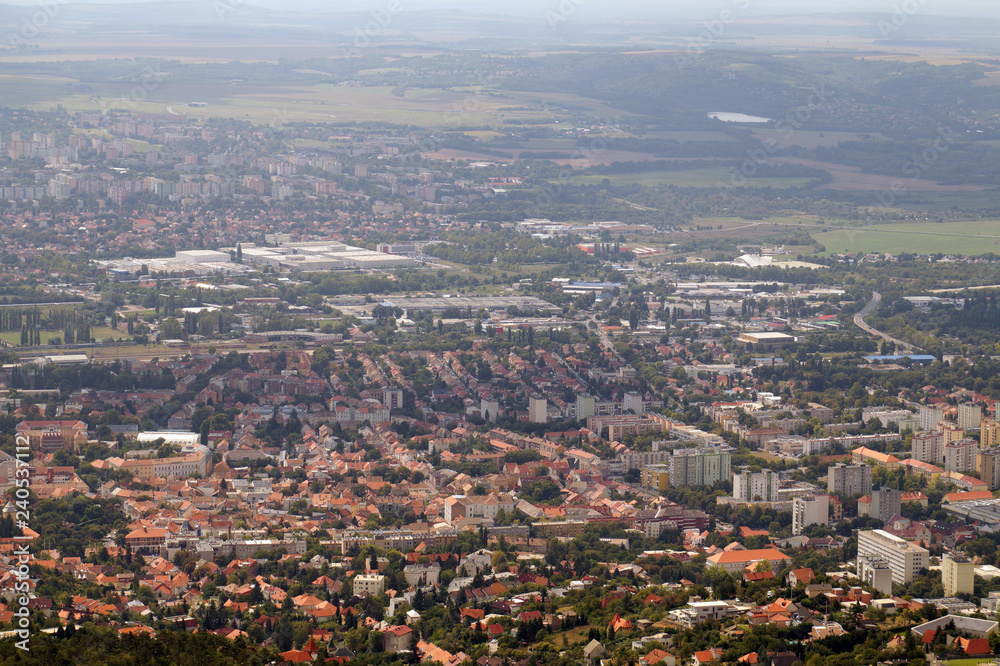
(871, 306)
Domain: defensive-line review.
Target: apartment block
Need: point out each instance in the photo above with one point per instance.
(755, 486)
(903, 558)
(928, 447)
(875, 571)
(699, 467)
(961, 456)
(989, 467)
(809, 510)
(538, 410)
(969, 416)
(849, 480)
(957, 574)
(930, 417)
(372, 583)
(989, 433)
(886, 503)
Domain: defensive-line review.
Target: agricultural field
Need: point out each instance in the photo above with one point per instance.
(966, 237)
(273, 104)
(716, 177)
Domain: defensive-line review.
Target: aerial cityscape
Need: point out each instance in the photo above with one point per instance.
(570, 333)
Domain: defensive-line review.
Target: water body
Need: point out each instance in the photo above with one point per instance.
(727, 117)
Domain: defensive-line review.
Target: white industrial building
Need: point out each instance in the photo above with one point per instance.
(201, 257)
(322, 256)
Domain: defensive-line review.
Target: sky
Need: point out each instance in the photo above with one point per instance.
(608, 9)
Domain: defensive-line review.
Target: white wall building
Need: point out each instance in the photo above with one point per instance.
(904, 559)
(372, 583)
(538, 409)
(961, 456)
(928, 447)
(809, 510)
(930, 417)
(969, 416)
(755, 486)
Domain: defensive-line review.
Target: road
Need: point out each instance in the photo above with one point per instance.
(859, 320)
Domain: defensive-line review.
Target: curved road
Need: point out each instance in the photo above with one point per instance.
(859, 320)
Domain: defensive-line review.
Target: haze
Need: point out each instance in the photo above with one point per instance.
(620, 10)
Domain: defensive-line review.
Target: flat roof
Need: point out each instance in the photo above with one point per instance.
(767, 335)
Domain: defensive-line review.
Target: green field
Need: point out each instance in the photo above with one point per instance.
(717, 177)
(965, 237)
(99, 334)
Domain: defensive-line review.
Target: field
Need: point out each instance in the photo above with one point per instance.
(852, 178)
(806, 139)
(276, 104)
(968, 237)
(98, 333)
(717, 177)
(574, 635)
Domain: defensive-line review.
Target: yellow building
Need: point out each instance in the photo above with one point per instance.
(952, 433)
(989, 433)
(957, 574)
(865, 455)
(656, 477)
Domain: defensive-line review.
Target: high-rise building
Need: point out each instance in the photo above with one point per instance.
(656, 477)
(393, 398)
(699, 467)
(989, 467)
(809, 510)
(961, 456)
(849, 480)
(755, 486)
(957, 574)
(969, 416)
(689, 467)
(952, 432)
(538, 409)
(490, 409)
(930, 417)
(928, 447)
(586, 405)
(875, 571)
(989, 433)
(903, 558)
(886, 503)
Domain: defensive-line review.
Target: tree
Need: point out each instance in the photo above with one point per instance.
(170, 329)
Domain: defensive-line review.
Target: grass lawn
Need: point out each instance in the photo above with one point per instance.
(970, 662)
(99, 334)
(574, 635)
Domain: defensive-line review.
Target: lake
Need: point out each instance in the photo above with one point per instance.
(727, 117)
